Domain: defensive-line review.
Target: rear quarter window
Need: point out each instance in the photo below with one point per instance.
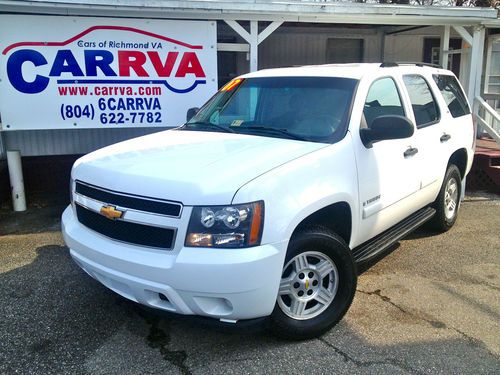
(452, 94)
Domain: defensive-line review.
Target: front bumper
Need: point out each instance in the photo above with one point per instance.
(228, 284)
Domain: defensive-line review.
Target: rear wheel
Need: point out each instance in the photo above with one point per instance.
(317, 285)
(448, 200)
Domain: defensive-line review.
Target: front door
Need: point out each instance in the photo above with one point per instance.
(387, 171)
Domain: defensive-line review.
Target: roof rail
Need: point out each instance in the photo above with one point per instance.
(394, 64)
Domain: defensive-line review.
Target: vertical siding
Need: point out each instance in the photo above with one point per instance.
(2, 147)
(404, 48)
(290, 46)
(409, 45)
(68, 141)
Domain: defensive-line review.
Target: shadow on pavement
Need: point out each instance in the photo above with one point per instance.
(34, 220)
(56, 319)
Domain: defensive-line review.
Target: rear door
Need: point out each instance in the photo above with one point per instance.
(429, 137)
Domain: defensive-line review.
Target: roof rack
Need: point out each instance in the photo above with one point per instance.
(394, 64)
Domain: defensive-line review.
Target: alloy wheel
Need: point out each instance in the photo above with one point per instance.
(450, 198)
(308, 285)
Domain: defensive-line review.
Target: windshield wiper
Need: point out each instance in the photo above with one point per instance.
(280, 131)
(207, 125)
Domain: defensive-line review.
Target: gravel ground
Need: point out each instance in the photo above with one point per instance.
(432, 306)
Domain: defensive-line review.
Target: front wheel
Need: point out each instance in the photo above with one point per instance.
(317, 285)
(448, 200)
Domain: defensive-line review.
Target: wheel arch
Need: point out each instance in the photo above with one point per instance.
(336, 217)
(459, 158)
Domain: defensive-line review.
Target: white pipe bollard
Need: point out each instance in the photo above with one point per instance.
(16, 180)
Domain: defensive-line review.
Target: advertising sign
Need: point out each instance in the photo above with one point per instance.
(82, 72)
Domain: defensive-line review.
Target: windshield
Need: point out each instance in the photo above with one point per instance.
(304, 108)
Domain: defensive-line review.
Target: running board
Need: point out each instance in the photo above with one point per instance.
(383, 241)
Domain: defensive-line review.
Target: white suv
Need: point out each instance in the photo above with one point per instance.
(269, 200)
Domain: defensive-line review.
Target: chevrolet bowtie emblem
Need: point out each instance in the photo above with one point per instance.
(307, 283)
(111, 212)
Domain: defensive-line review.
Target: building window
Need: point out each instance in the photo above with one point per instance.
(432, 53)
(492, 72)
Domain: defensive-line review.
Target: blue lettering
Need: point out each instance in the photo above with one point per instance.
(121, 105)
(15, 71)
(65, 62)
(130, 104)
(98, 59)
(156, 104)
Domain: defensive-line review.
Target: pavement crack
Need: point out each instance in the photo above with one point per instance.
(385, 361)
(434, 323)
(378, 293)
(474, 342)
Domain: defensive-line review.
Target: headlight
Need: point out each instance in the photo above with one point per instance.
(226, 226)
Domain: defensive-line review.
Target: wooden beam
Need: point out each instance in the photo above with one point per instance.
(239, 29)
(463, 33)
(233, 47)
(269, 30)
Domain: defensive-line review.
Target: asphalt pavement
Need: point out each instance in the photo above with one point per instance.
(432, 306)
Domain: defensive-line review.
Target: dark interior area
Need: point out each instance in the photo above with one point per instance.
(46, 180)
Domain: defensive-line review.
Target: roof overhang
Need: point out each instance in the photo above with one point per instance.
(272, 10)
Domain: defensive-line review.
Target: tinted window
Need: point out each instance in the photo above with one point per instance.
(383, 99)
(424, 106)
(313, 108)
(452, 94)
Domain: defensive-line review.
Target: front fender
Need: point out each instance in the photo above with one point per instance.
(303, 186)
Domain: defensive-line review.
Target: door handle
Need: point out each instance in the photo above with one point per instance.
(445, 137)
(410, 152)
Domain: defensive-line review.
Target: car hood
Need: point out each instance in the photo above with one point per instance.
(191, 167)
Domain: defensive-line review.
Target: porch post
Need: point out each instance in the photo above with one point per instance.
(476, 64)
(445, 46)
(254, 45)
(479, 36)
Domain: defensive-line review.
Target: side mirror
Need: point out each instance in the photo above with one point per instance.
(191, 112)
(386, 127)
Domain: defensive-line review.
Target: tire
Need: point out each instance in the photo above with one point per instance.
(317, 286)
(448, 201)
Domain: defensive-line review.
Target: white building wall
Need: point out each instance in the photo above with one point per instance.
(289, 46)
(409, 45)
(404, 48)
